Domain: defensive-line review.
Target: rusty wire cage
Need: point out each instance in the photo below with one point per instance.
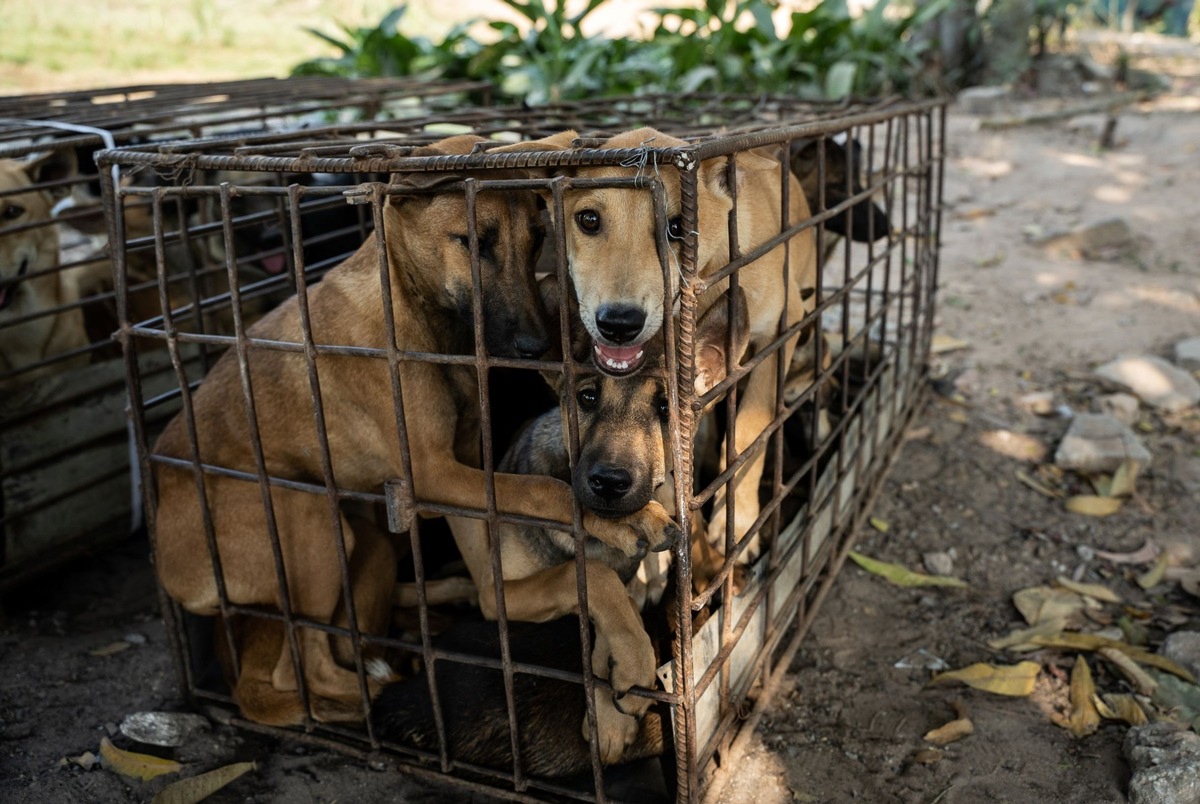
(62, 431)
(867, 325)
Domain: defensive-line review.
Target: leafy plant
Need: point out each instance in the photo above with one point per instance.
(825, 51)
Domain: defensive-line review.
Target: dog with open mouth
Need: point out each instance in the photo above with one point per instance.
(33, 327)
(614, 264)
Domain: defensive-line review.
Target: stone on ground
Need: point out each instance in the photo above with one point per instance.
(1096, 442)
(1155, 381)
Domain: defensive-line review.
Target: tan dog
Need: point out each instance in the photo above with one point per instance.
(614, 264)
(28, 283)
(428, 255)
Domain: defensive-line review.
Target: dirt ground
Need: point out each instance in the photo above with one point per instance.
(850, 720)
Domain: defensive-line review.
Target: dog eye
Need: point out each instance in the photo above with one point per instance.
(675, 228)
(12, 212)
(664, 409)
(587, 398)
(588, 221)
(462, 240)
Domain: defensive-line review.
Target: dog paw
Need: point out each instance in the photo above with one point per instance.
(655, 527)
(631, 664)
(650, 529)
(615, 731)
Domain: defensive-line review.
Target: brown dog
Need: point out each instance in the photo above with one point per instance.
(429, 259)
(614, 263)
(623, 464)
(29, 285)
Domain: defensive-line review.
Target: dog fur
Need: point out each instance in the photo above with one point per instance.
(27, 253)
(428, 256)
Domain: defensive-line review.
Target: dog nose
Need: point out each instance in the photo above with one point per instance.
(530, 346)
(609, 482)
(620, 323)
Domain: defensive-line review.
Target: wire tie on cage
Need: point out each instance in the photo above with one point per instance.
(362, 194)
(398, 495)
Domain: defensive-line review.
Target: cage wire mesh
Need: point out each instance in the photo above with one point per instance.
(62, 390)
(305, 451)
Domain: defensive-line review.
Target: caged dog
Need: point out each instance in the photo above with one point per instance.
(614, 264)
(428, 253)
(33, 325)
(623, 464)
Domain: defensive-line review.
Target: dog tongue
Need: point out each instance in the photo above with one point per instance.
(618, 359)
(274, 264)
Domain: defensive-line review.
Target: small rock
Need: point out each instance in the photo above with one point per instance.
(111, 728)
(166, 729)
(15, 731)
(1183, 647)
(983, 100)
(1039, 403)
(1185, 470)
(1106, 239)
(1155, 381)
(1187, 353)
(1165, 758)
(1097, 442)
(1122, 407)
(967, 381)
(938, 562)
(87, 760)
(135, 639)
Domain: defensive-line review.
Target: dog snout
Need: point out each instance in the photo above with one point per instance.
(531, 345)
(620, 323)
(609, 483)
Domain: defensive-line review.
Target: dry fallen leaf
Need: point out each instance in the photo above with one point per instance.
(880, 525)
(941, 344)
(1093, 590)
(197, 788)
(954, 730)
(902, 576)
(1040, 605)
(133, 765)
(109, 649)
(1138, 677)
(1143, 555)
(1017, 680)
(1084, 719)
(1154, 576)
(1018, 446)
(1093, 505)
(1022, 639)
(1124, 479)
(927, 756)
(1092, 642)
(1121, 707)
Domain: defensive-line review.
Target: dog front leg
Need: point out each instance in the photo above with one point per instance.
(754, 415)
(452, 483)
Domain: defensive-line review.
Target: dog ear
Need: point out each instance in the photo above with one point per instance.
(712, 339)
(460, 145)
(562, 141)
(52, 166)
(867, 218)
(714, 172)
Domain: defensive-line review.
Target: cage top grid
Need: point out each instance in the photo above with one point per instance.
(712, 125)
(167, 111)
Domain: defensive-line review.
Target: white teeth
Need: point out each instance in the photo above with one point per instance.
(622, 365)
